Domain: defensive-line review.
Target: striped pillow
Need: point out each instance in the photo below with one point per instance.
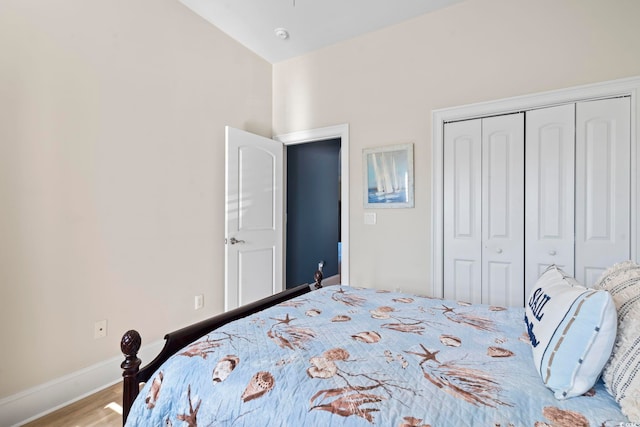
(622, 374)
(572, 330)
(623, 283)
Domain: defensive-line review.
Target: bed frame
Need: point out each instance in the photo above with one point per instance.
(131, 341)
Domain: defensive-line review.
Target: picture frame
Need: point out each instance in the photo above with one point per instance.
(388, 176)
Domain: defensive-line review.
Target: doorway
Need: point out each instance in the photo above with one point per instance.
(340, 132)
(312, 211)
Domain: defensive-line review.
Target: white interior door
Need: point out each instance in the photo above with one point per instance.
(484, 210)
(549, 191)
(628, 237)
(603, 176)
(503, 210)
(254, 217)
(462, 209)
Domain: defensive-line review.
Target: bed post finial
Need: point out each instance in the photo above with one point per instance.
(318, 278)
(130, 345)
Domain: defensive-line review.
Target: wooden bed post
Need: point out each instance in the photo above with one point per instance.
(130, 345)
(318, 278)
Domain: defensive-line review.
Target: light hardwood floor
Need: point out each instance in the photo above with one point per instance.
(92, 411)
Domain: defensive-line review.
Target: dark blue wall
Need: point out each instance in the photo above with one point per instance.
(313, 209)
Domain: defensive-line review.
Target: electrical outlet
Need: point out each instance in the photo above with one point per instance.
(199, 302)
(100, 329)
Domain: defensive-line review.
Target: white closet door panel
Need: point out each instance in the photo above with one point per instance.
(462, 208)
(549, 191)
(500, 289)
(503, 210)
(603, 171)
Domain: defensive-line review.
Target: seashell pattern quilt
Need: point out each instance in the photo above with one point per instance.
(345, 356)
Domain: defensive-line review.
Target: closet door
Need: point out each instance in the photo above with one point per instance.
(549, 191)
(603, 172)
(462, 210)
(503, 210)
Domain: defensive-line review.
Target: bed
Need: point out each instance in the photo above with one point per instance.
(340, 355)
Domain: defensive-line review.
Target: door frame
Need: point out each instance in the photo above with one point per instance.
(320, 134)
(622, 87)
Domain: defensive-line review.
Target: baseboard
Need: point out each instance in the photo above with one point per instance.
(332, 280)
(42, 399)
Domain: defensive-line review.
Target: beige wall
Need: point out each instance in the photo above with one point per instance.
(386, 84)
(111, 147)
(112, 119)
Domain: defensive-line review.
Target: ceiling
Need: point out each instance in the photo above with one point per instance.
(311, 24)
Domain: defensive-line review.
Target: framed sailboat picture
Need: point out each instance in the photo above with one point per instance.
(388, 176)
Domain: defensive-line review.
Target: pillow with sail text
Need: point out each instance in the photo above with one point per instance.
(572, 330)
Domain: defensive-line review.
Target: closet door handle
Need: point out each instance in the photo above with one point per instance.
(499, 250)
(552, 252)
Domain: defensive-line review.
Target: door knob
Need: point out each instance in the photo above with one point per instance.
(233, 241)
(499, 250)
(552, 252)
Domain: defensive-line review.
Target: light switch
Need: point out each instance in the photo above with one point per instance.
(370, 218)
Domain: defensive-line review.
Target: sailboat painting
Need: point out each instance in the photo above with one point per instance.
(388, 176)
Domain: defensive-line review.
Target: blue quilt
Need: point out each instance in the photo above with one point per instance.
(344, 356)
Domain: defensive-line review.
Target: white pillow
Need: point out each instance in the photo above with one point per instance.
(572, 330)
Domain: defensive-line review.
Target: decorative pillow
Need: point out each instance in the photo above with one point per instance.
(623, 283)
(572, 330)
(622, 374)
